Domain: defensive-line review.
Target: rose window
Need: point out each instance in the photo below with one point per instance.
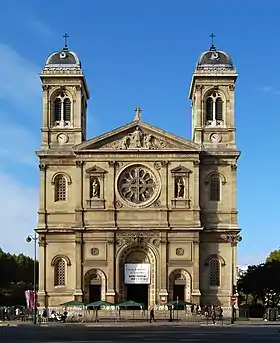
(138, 185)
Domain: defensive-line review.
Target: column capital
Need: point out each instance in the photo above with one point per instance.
(233, 239)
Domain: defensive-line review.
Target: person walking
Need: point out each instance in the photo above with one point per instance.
(152, 315)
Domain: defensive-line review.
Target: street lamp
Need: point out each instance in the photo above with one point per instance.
(28, 240)
(233, 239)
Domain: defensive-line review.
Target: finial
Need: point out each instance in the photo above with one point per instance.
(65, 41)
(138, 114)
(212, 47)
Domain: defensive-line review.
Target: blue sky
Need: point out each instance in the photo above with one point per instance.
(141, 53)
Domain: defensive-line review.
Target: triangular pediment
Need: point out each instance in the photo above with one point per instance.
(138, 135)
(95, 170)
(180, 170)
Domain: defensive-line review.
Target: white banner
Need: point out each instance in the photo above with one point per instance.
(135, 273)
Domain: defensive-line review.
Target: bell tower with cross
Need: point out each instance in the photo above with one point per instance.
(212, 96)
(65, 96)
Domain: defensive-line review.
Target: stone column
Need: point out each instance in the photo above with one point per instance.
(195, 282)
(163, 272)
(233, 239)
(110, 295)
(78, 267)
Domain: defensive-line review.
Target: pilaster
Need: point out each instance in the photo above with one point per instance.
(42, 292)
(163, 293)
(79, 194)
(195, 284)
(110, 294)
(79, 266)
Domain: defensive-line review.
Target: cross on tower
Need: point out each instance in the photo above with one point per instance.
(65, 40)
(212, 41)
(138, 115)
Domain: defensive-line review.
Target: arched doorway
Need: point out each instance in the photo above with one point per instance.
(95, 285)
(133, 288)
(180, 285)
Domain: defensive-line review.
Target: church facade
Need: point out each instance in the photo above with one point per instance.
(137, 213)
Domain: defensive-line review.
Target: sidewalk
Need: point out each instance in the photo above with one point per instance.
(141, 324)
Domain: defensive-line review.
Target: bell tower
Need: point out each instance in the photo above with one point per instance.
(212, 96)
(65, 96)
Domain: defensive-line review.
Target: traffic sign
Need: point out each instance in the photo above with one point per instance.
(233, 298)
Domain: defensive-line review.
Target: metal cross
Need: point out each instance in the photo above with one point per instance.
(138, 115)
(65, 39)
(212, 37)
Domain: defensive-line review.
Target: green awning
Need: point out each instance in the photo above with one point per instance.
(180, 303)
(130, 303)
(100, 303)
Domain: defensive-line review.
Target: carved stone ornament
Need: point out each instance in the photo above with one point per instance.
(156, 242)
(79, 163)
(119, 204)
(94, 251)
(234, 166)
(42, 166)
(159, 164)
(138, 140)
(141, 237)
(233, 239)
(180, 251)
(45, 87)
(157, 203)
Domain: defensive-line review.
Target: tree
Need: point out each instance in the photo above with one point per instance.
(274, 256)
(16, 276)
(262, 283)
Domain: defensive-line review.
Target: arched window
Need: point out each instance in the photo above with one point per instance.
(57, 109)
(214, 109)
(67, 109)
(215, 188)
(60, 272)
(214, 272)
(219, 109)
(62, 110)
(209, 109)
(60, 188)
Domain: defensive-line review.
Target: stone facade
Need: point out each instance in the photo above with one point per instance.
(137, 194)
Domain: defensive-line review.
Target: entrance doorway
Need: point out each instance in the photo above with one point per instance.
(94, 293)
(138, 293)
(178, 292)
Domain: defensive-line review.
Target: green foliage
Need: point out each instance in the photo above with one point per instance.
(261, 284)
(274, 256)
(16, 276)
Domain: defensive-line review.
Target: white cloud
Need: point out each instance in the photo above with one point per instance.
(19, 81)
(269, 89)
(18, 214)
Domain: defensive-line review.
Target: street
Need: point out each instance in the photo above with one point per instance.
(154, 333)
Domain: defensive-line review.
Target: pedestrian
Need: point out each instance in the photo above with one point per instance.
(152, 315)
(213, 315)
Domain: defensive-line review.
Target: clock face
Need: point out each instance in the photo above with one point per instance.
(62, 138)
(215, 138)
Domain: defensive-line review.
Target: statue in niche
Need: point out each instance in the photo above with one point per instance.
(137, 138)
(149, 142)
(179, 188)
(125, 143)
(95, 188)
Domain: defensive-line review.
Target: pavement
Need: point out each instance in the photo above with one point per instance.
(142, 332)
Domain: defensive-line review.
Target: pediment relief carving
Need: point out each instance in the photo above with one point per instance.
(138, 137)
